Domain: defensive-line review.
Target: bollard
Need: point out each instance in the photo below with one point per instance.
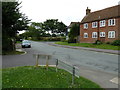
(56, 65)
(37, 57)
(47, 58)
(73, 75)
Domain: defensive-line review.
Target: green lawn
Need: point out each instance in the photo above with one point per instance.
(90, 45)
(32, 77)
(12, 53)
(18, 42)
(0, 78)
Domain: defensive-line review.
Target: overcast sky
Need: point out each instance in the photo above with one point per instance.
(65, 10)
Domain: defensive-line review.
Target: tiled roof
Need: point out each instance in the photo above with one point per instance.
(111, 12)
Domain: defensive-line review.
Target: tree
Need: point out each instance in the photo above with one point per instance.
(74, 32)
(61, 28)
(12, 22)
(55, 27)
(35, 31)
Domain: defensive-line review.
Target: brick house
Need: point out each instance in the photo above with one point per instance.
(103, 25)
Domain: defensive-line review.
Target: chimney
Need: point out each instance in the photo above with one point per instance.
(88, 11)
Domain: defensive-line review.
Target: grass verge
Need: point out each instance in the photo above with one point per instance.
(31, 77)
(90, 45)
(13, 53)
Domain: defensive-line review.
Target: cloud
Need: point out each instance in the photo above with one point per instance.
(64, 10)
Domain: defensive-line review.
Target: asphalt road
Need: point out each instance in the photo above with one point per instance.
(96, 66)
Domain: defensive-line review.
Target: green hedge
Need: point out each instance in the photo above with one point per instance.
(116, 43)
(49, 38)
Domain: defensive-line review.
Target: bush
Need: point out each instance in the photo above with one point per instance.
(97, 42)
(108, 43)
(72, 40)
(116, 43)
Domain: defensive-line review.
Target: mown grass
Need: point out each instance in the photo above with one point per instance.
(0, 78)
(18, 42)
(12, 53)
(32, 77)
(90, 45)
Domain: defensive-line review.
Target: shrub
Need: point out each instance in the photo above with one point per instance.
(116, 43)
(72, 40)
(97, 42)
(108, 43)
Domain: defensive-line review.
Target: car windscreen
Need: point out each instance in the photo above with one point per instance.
(25, 42)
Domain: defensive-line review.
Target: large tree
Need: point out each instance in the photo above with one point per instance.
(74, 32)
(54, 26)
(35, 30)
(12, 22)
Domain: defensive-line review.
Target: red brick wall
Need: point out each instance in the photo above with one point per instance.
(105, 29)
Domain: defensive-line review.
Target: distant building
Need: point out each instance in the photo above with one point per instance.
(103, 25)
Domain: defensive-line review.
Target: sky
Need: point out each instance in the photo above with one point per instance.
(66, 11)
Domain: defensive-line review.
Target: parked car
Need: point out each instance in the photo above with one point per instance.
(26, 44)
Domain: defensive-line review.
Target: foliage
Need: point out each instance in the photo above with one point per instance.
(12, 22)
(34, 30)
(50, 28)
(116, 43)
(54, 26)
(90, 45)
(32, 77)
(71, 40)
(108, 42)
(97, 42)
(74, 32)
(48, 39)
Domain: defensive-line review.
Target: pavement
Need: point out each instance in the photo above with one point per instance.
(89, 49)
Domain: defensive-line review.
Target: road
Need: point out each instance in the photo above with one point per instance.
(96, 66)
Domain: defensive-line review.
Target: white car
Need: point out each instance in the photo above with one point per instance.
(26, 44)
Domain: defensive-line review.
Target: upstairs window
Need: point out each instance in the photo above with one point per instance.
(86, 26)
(111, 22)
(94, 35)
(102, 34)
(102, 23)
(94, 25)
(85, 35)
(111, 34)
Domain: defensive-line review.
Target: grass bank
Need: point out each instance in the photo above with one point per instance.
(30, 77)
(13, 53)
(90, 45)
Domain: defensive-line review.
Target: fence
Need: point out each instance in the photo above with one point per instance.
(45, 59)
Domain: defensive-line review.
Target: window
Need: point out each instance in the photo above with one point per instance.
(86, 26)
(111, 34)
(102, 23)
(102, 34)
(111, 22)
(94, 35)
(94, 25)
(85, 35)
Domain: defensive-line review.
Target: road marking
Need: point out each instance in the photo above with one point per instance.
(114, 80)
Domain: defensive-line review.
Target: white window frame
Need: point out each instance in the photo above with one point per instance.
(102, 23)
(94, 34)
(102, 34)
(111, 22)
(85, 35)
(94, 24)
(111, 34)
(86, 26)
